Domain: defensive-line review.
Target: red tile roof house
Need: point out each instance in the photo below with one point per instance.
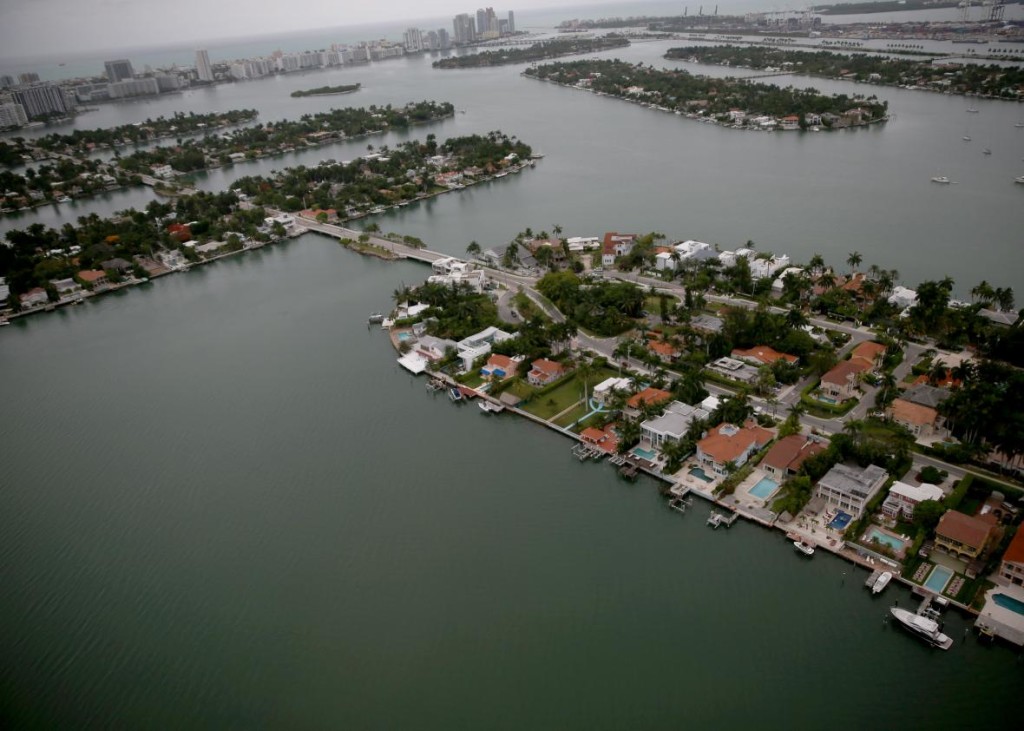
(762, 355)
(545, 371)
(604, 439)
(921, 421)
(647, 397)
(94, 278)
(842, 382)
(665, 351)
(1011, 569)
(728, 443)
(962, 535)
(870, 353)
(616, 245)
(785, 457)
(501, 366)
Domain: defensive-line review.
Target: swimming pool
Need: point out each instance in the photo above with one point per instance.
(1008, 602)
(648, 454)
(404, 336)
(764, 488)
(700, 474)
(840, 521)
(938, 579)
(885, 539)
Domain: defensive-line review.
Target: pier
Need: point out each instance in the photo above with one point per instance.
(717, 519)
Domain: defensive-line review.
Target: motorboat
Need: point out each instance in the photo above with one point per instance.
(972, 110)
(986, 151)
(941, 179)
(1019, 179)
(375, 318)
(804, 547)
(881, 582)
(966, 138)
(923, 627)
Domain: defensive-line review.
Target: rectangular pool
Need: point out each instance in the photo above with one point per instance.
(700, 474)
(840, 521)
(1008, 602)
(648, 454)
(764, 488)
(885, 539)
(938, 579)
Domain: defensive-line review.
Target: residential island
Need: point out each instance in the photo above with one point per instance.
(731, 102)
(540, 51)
(989, 81)
(328, 90)
(895, 443)
(75, 175)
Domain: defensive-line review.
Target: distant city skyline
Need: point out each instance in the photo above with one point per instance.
(31, 27)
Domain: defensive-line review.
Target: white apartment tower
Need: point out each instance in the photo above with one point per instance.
(203, 69)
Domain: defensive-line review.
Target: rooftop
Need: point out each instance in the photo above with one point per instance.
(726, 442)
(763, 354)
(911, 413)
(853, 480)
(1015, 551)
(649, 396)
(790, 452)
(916, 493)
(963, 529)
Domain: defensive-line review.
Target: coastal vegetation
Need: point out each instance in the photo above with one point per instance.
(389, 176)
(327, 90)
(1000, 82)
(82, 142)
(274, 138)
(540, 51)
(700, 96)
(62, 177)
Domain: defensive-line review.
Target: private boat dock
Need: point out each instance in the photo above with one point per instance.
(727, 519)
(583, 451)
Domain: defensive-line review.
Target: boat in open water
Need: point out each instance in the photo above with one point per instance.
(942, 179)
(804, 547)
(923, 627)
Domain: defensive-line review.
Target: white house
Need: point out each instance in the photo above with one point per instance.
(672, 425)
(903, 297)
(780, 282)
(608, 387)
(474, 346)
(903, 498)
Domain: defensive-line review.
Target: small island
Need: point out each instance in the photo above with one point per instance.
(328, 90)
(731, 102)
(989, 81)
(540, 51)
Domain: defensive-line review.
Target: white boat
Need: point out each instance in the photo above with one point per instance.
(966, 138)
(805, 548)
(972, 110)
(488, 408)
(1019, 125)
(1019, 179)
(986, 151)
(881, 582)
(941, 179)
(923, 627)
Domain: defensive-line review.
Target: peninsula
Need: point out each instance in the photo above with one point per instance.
(989, 81)
(327, 90)
(736, 103)
(865, 441)
(539, 51)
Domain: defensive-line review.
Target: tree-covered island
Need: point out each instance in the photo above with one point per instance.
(327, 90)
(992, 81)
(539, 51)
(735, 102)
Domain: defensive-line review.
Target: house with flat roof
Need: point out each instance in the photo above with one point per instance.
(432, 348)
(851, 488)
(963, 535)
(66, 287)
(921, 421)
(479, 345)
(648, 397)
(708, 324)
(608, 387)
(730, 444)
(786, 455)
(737, 370)
(1011, 568)
(903, 498)
(672, 425)
(35, 297)
(544, 371)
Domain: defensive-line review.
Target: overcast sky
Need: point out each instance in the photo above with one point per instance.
(43, 27)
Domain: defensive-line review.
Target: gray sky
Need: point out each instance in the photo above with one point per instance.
(43, 27)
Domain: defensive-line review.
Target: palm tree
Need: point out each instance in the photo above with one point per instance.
(827, 280)
(817, 263)
(584, 370)
(1004, 298)
(473, 249)
(854, 260)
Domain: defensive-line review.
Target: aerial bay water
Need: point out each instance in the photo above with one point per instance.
(222, 503)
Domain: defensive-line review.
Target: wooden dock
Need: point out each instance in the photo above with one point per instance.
(717, 519)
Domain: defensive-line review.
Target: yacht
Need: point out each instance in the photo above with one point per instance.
(881, 582)
(375, 317)
(925, 628)
(1019, 179)
(941, 179)
(803, 547)
(966, 138)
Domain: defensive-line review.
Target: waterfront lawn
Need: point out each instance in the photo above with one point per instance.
(557, 400)
(572, 416)
(473, 379)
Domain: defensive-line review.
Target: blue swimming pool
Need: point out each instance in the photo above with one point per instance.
(404, 336)
(1008, 602)
(938, 579)
(885, 539)
(700, 474)
(648, 454)
(764, 488)
(840, 521)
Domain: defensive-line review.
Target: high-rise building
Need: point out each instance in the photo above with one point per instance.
(42, 100)
(29, 78)
(203, 69)
(511, 22)
(443, 39)
(119, 70)
(6, 82)
(12, 115)
(134, 87)
(413, 40)
(465, 29)
(481, 22)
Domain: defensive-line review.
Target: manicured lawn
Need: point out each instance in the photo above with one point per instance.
(472, 380)
(572, 416)
(556, 401)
